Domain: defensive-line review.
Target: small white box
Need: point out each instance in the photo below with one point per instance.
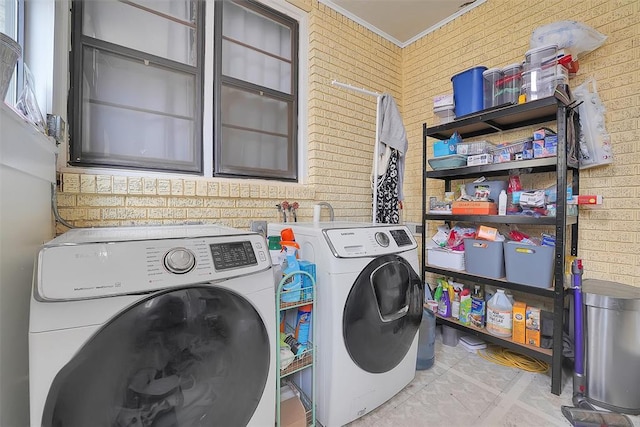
(479, 159)
(443, 100)
(445, 258)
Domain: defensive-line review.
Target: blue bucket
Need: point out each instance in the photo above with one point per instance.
(467, 91)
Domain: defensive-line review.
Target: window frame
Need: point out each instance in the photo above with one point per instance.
(61, 98)
(220, 80)
(74, 106)
(20, 39)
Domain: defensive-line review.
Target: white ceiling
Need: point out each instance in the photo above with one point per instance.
(402, 21)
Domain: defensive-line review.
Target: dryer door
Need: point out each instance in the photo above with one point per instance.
(190, 357)
(382, 314)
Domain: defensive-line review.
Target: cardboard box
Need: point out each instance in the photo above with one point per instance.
(292, 413)
(479, 159)
(547, 147)
(532, 324)
(519, 316)
(474, 208)
(585, 200)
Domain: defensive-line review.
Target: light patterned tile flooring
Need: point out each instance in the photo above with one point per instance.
(463, 389)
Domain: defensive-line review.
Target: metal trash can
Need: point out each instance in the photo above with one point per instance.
(612, 345)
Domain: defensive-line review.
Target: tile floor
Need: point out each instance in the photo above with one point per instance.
(463, 389)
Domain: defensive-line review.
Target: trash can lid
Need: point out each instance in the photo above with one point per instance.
(613, 295)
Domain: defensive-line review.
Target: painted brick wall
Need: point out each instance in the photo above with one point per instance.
(496, 34)
(341, 132)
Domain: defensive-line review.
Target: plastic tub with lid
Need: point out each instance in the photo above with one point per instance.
(490, 79)
(541, 56)
(468, 91)
(510, 84)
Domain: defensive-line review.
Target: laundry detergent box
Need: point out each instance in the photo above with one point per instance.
(519, 316)
(532, 324)
(478, 310)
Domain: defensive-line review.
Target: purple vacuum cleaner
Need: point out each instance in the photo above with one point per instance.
(583, 414)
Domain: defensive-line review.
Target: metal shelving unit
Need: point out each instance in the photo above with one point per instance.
(305, 360)
(553, 108)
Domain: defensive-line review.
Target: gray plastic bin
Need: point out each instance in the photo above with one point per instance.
(528, 264)
(484, 258)
(612, 330)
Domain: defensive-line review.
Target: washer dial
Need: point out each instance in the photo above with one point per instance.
(179, 260)
(382, 239)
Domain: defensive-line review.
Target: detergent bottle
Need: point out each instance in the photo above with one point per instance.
(291, 289)
(303, 324)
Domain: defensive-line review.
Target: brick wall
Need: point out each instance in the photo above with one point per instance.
(496, 34)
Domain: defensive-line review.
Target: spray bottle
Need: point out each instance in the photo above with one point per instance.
(293, 285)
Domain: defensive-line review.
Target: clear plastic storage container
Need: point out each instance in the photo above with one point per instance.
(510, 84)
(490, 91)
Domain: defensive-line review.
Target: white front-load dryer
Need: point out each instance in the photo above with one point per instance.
(369, 300)
(153, 326)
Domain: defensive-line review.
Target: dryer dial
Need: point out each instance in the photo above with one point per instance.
(179, 260)
(382, 239)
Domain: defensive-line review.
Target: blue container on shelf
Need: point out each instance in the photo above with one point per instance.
(468, 94)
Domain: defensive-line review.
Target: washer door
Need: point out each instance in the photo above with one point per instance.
(382, 314)
(189, 357)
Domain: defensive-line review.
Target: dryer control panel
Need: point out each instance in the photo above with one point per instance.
(369, 241)
(98, 269)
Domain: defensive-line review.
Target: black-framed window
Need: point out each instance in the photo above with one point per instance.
(138, 76)
(256, 101)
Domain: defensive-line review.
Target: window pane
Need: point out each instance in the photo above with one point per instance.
(248, 110)
(256, 30)
(250, 150)
(138, 112)
(256, 49)
(9, 26)
(254, 132)
(169, 35)
(255, 67)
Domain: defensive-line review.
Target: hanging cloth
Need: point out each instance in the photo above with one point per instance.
(392, 148)
(393, 135)
(387, 209)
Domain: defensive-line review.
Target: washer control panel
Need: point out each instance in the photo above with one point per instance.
(98, 269)
(369, 241)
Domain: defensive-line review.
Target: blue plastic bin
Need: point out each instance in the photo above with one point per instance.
(468, 94)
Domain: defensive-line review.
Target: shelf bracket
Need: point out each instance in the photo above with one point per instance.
(494, 125)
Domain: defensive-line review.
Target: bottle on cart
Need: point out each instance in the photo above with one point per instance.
(303, 324)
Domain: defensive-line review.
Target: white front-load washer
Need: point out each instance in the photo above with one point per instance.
(369, 306)
(153, 326)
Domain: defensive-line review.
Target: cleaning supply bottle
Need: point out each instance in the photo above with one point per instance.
(478, 307)
(499, 315)
(292, 287)
(303, 324)
(502, 203)
(437, 294)
(465, 306)
(444, 304)
(455, 305)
